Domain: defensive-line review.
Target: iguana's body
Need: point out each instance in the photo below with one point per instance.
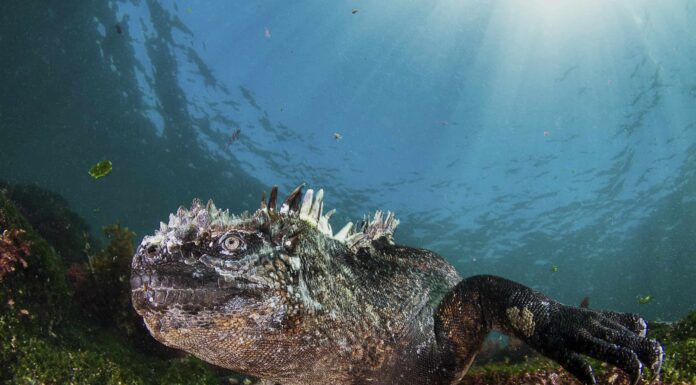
(278, 296)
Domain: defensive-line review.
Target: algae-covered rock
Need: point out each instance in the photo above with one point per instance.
(50, 215)
(39, 287)
(47, 338)
(679, 341)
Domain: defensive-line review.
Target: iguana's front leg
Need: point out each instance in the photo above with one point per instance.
(481, 303)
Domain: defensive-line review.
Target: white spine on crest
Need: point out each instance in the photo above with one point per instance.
(311, 211)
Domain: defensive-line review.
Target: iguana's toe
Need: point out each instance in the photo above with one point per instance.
(575, 365)
(649, 351)
(617, 355)
(632, 322)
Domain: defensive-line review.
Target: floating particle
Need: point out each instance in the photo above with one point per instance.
(24, 312)
(100, 169)
(189, 10)
(266, 32)
(644, 300)
(547, 133)
(354, 11)
(585, 303)
(234, 136)
(337, 136)
(554, 268)
(119, 29)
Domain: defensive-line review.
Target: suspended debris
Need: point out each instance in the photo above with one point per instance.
(234, 137)
(100, 169)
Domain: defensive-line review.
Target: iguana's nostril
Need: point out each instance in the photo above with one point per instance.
(152, 250)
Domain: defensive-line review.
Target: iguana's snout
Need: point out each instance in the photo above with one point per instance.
(161, 280)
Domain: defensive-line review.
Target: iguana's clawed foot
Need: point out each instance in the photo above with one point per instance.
(616, 338)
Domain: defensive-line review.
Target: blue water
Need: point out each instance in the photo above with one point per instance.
(511, 137)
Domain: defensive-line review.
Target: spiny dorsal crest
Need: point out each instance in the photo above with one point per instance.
(308, 207)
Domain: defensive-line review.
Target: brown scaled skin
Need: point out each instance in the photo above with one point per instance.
(278, 296)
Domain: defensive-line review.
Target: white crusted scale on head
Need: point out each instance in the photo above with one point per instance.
(308, 206)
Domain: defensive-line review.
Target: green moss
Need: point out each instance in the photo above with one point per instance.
(103, 360)
(679, 341)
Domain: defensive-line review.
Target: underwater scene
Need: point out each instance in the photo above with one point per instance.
(405, 192)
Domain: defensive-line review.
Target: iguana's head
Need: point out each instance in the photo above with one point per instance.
(209, 281)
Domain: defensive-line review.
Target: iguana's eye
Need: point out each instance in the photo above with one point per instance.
(232, 243)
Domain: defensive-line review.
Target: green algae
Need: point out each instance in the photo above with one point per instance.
(103, 289)
(101, 169)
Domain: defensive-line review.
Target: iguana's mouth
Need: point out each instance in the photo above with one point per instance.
(151, 291)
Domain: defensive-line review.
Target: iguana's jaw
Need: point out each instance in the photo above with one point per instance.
(172, 285)
(152, 292)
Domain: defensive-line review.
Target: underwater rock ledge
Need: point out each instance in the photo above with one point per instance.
(63, 321)
(46, 337)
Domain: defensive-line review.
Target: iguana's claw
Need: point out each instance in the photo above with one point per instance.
(575, 364)
(616, 338)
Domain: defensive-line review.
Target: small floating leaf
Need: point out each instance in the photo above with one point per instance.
(644, 300)
(554, 268)
(100, 169)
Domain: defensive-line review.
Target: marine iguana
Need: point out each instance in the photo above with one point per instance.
(277, 295)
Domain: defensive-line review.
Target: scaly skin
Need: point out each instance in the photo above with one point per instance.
(278, 296)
